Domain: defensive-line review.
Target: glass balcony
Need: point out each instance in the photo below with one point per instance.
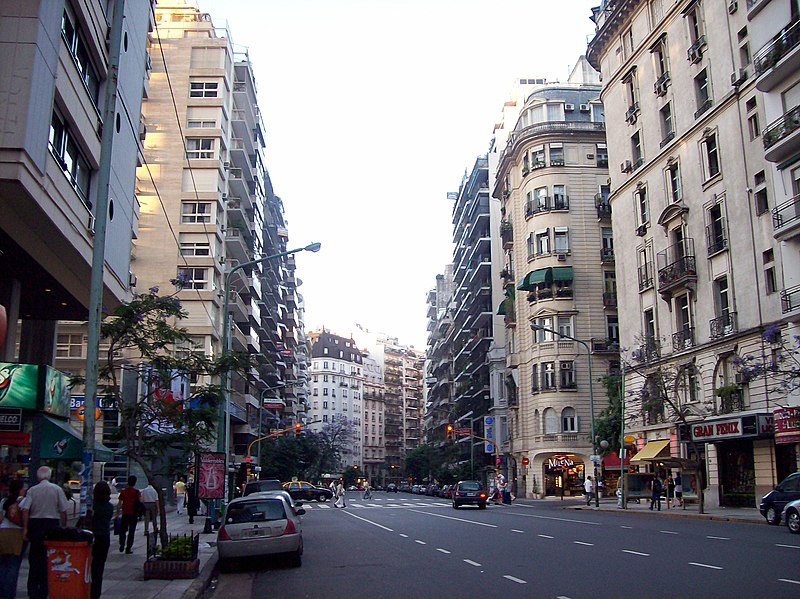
(777, 58)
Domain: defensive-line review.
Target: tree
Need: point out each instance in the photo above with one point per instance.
(608, 425)
(287, 456)
(332, 440)
(778, 365)
(160, 426)
(433, 463)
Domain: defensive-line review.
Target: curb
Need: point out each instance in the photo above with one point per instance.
(200, 584)
(746, 520)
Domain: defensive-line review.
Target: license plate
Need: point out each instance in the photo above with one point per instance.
(256, 532)
(471, 494)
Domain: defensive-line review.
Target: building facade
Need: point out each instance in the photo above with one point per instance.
(375, 467)
(558, 274)
(691, 197)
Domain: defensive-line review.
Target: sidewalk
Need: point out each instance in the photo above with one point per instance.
(123, 578)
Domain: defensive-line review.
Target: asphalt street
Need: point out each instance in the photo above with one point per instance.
(410, 546)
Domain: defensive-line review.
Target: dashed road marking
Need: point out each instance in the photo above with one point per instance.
(404, 536)
(718, 538)
(515, 579)
(557, 519)
(471, 563)
(789, 580)
(457, 519)
(668, 532)
(628, 527)
(545, 536)
(636, 553)
(787, 546)
(515, 530)
(705, 566)
(420, 542)
(582, 543)
(442, 550)
(352, 515)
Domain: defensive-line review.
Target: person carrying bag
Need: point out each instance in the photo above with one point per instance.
(11, 541)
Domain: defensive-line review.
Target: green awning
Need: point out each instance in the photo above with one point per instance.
(501, 309)
(535, 277)
(511, 292)
(562, 274)
(60, 441)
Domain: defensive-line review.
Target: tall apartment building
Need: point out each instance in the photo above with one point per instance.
(439, 409)
(558, 274)
(337, 387)
(375, 468)
(697, 256)
(208, 206)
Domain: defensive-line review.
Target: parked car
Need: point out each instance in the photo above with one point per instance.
(773, 503)
(260, 524)
(445, 492)
(469, 492)
(300, 489)
(791, 516)
(404, 487)
(285, 494)
(391, 488)
(256, 486)
(432, 490)
(415, 489)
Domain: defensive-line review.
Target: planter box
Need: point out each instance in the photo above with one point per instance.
(167, 569)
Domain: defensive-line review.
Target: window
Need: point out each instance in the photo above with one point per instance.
(73, 38)
(541, 202)
(560, 198)
(722, 298)
(606, 243)
(565, 325)
(642, 205)
(711, 156)
(649, 320)
(537, 157)
(645, 269)
(702, 93)
(534, 378)
(550, 421)
(316, 391)
(541, 335)
(674, 192)
(194, 278)
(569, 421)
(612, 329)
(549, 375)
(770, 278)
(561, 240)
(325, 391)
(627, 43)
(556, 155)
(715, 230)
(191, 246)
(752, 118)
(683, 323)
(601, 155)
(661, 61)
(69, 346)
(197, 124)
(199, 148)
(325, 363)
(64, 149)
(609, 288)
(543, 242)
(324, 418)
(667, 126)
(203, 89)
(636, 150)
(689, 384)
(656, 12)
(195, 212)
(694, 20)
(632, 95)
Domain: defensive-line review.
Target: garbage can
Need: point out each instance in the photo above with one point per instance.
(69, 563)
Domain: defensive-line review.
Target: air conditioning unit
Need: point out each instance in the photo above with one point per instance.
(638, 353)
(569, 107)
(584, 108)
(641, 230)
(142, 130)
(562, 257)
(626, 166)
(660, 88)
(225, 195)
(738, 77)
(733, 6)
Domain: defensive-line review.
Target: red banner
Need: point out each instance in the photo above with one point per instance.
(787, 425)
(211, 475)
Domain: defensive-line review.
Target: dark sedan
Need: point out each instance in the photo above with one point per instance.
(305, 491)
(469, 492)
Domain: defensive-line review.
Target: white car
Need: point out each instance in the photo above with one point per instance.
(260, 524)
(791, 515)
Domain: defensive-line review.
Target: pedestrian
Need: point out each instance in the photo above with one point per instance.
(513, 489)
(179, 486)
(367, 490)
(678, 489)
(44, 508)
(601, 487)
(332, 487)
(340, 495)
(670, 491)
(11, 540)
(102, 514)
(655, 497)
(588, 489)
(191, 501)
(151, 509)
(126, 506)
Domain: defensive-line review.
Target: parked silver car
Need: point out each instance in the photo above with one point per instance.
(260, 524)
(791, 516)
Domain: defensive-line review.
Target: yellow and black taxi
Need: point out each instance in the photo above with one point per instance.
(301, 490)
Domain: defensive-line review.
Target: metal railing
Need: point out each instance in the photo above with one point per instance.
(683, 339)
(717, 236)
(786, 213)
(731, 402)
(722, 325)
(772, 53)
(790, 299)
(645, 276)
(782, 127)
(677, 264)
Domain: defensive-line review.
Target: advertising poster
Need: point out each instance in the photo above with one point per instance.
(19, 385)
(56, 392)
(211, 475)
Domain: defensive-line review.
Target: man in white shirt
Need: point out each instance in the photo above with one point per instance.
(150, 501)
(588, 488)
(43, 509)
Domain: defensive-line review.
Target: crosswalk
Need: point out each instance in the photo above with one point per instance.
(384, 504)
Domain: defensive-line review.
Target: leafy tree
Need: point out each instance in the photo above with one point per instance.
(778, 365)
(287, 456)
(608, 425)
(350, 476)
(334, 437)
(434, 463)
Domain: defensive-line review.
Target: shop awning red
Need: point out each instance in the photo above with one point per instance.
(611, 460)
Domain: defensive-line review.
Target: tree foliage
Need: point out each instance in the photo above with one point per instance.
(608, 425)
(778, 365)
(427, 462)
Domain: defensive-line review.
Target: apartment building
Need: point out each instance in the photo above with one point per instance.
(375, 468)
(557, 274)
(439, 409)
(337, 388)
(699, 265)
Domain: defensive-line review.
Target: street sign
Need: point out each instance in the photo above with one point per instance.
(595, 459)
(464, 432)
(489, 447)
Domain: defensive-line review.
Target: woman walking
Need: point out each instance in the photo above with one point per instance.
(340, 495)
(101, 527)
(11, 541)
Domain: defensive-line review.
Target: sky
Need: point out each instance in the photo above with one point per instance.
(373, 111)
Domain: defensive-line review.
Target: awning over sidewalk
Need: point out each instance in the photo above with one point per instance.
(654, 450)
(60, 441)
(612, 461)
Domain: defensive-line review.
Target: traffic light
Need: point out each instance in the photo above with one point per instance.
(298, 429)
(247, 468)
(450, 432)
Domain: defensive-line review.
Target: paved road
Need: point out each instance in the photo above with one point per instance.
(409, 546)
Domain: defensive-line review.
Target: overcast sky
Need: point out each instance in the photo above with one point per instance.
(373, 110)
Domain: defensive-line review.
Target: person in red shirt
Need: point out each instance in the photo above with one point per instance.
(126, 506)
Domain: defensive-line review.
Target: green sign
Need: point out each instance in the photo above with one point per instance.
(56, 392)
(19, 385)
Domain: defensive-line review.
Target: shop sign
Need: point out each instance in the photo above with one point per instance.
(211, 479)
(560, 463)
(16, 439)
(787, 425)
(273, 405)
(723, 429)
(11, 419)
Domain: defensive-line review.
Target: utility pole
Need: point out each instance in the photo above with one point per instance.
(98, 256)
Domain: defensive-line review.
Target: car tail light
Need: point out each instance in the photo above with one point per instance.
(223, 535)
(483, 495)
(290, 527)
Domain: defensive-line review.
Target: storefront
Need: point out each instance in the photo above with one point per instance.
(738, 442)
(787, 439)
(563, 475)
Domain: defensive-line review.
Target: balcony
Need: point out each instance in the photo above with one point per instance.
(507, 234)
(606, 255)
(648, 351)
(603, 208)
(781, 138)
(646, 276)
(786, 219)
(778, 59)
(677, 268)
(716, 237)
(722, 326)
(683, 339)
(605, 346)
(790, 299)
(703, 108)
(610, 299)
(237, 244)
(632, 113)
(732, 401)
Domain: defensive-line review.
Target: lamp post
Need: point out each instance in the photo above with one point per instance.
(537, 327)
(223, 430)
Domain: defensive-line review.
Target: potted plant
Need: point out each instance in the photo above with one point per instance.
(178, 558)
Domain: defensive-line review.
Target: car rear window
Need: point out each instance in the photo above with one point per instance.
(469, 487)
(262, 510)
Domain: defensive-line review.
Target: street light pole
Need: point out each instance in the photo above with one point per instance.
(223, 430)
(537, 327)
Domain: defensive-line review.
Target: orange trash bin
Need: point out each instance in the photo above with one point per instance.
(69, 563)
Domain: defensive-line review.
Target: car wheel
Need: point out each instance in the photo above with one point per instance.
(482, 506)
(321, 498)
(772, 516)
(793, 521)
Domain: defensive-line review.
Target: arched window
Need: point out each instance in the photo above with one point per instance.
(550, 422)
(569, 421)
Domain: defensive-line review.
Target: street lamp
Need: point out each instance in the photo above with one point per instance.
(537, 327)
(223, 430)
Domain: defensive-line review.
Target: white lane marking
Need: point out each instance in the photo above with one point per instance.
(515, 530)
(352, 515)
(718, 538)
(404, 536)
(705, 566)
(457, 519)
(636, 553)
(629, 527)
(788, 546)
(557, 519)
(562, 597)
(582, 543)
(789, 580)
(358, 505)
(515, 579)
(442, 550)
(545, 536)
(471, 563)
(420, 542)
(323, 507)
(408, 504)
(668, 532)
